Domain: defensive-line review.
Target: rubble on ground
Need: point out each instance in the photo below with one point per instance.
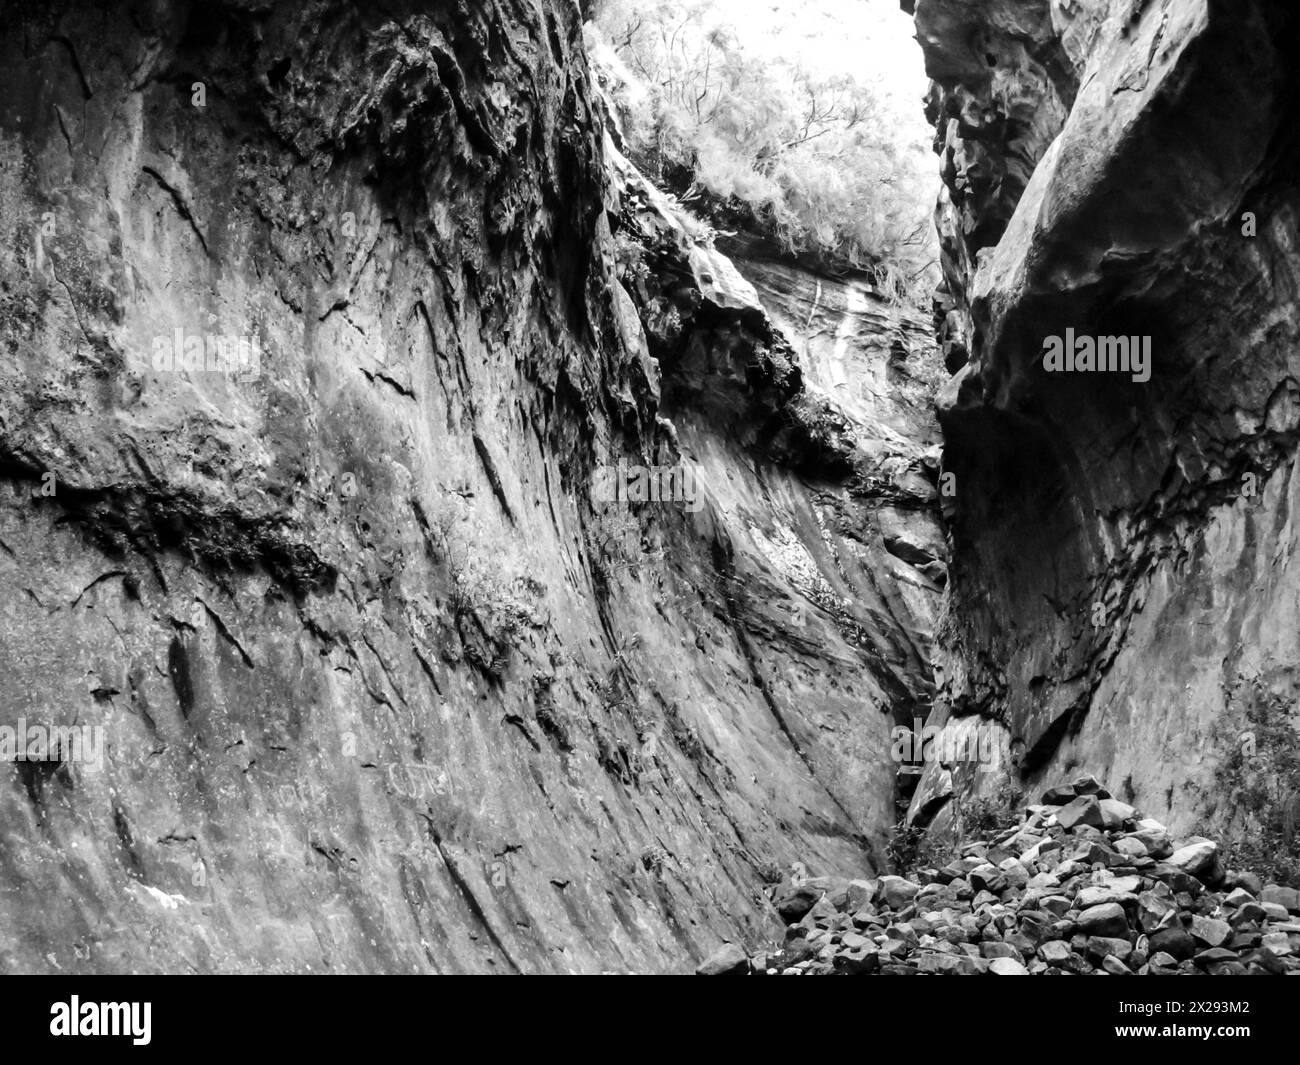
(1082, 885)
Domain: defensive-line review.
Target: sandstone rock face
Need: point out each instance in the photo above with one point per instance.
(804, 403)
(1121, 582)
(384, 684)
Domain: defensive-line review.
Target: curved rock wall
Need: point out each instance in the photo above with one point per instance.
(1121, 587)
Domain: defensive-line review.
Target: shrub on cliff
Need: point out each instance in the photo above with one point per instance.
(807, 157)
(1256, 798)
(986, 815)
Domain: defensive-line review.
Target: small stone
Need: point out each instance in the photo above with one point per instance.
(793, 902)
(798, 950)
(1157, 844)
(1036, 925)
(1215, 955)
(1277, 943)
(833, 888)
(997, 950)
(1196, 858)
(1089, 785)
(1114, 966)
(898, 891)
(1274, 912)
(1175, 941)
(1281, 896)
(1103, 946)
(729, 959)
(1177, 880)
(860, 893)
(1268, 961)
(1252, 913)
(939, 963)
(1007, 967)
(1059, 796)
(988, 877)
(1238, 897)
(1105, 920)
(1015, 873)
(1054, 952)
(1048, 861)
(1209, 931)
(1114, 813)
(1085, 810)
(1131, 847)
(856, 962)
(904, 931)
(1057, 905)
(1089, 854)
(821, 914)
(1099, 896)
(1021, 942)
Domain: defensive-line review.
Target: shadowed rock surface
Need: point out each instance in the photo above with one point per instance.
(1122, 584)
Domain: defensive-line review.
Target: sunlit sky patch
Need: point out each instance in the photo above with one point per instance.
(870, 39)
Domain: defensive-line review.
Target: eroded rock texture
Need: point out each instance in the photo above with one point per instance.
(806, 403)
(383, 687)
(1122, 579)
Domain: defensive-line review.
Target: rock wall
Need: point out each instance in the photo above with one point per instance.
(1122, 584)
(806, 403)
(383, 685)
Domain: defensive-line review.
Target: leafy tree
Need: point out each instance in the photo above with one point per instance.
(807, 156)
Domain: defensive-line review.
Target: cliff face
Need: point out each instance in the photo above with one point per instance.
(1122, 588)
(316, 335)
(806, 404)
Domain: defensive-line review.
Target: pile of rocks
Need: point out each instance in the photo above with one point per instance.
(1082, 885)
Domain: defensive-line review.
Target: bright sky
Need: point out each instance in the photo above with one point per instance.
(870, 39)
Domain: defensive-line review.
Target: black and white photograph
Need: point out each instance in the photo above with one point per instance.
(650, 487)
